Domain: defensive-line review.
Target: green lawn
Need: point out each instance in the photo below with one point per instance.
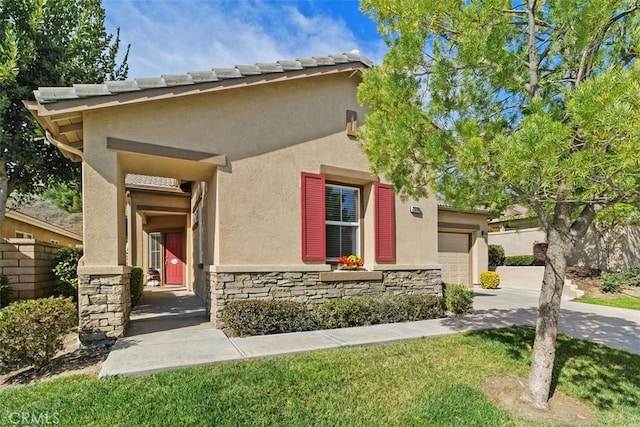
(620, 302)
(424, 382)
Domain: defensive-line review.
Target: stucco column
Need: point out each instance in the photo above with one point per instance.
(479, 254)
(104, 295)
(103, 203)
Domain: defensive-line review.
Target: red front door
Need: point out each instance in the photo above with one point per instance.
(173, 258)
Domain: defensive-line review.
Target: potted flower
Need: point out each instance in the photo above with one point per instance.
(350, 262)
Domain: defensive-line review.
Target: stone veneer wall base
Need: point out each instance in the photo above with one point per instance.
(104, 303)
(308, 287)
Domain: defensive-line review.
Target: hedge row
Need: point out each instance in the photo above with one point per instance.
(497, 258)
(262, 317)
(519, 260)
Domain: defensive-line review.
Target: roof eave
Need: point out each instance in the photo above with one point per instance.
(465, 211)
(19, 216)
(80, 105)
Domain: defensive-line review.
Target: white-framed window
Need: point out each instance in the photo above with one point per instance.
(342, 221)
(55, 242)
(23, 235)
(155, 250)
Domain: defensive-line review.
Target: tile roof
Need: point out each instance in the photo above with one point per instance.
(53, 94)
(151, 181)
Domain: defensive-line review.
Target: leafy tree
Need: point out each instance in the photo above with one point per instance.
(46, 43)
(499, 102)
(66, 196)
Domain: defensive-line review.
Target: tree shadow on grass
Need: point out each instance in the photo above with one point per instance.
(605, 377)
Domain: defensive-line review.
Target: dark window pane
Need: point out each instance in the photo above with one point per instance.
(333, 197)
(349, 212)
(341, 240)
(341, 204)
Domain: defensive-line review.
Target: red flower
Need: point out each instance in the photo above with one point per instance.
(350, 261)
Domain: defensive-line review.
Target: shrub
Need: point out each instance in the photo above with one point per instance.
(350, 312)
(5, 290)
(407, 308)
(496, 255)
(458, 299)
(66, 272)
(611, 282)
(423, 307)
(31, 331)
(489, 280)
(616, 281)
(345, 313)
(274, 316)
(137, 284)
(262, 317)
(519, 260)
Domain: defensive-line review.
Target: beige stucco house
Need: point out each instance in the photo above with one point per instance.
(245, 183)
(17, 225)
(28, 247)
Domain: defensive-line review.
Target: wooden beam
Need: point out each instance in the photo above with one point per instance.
(73, 127)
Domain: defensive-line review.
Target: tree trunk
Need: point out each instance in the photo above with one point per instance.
(544, 347)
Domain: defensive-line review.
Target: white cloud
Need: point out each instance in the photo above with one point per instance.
(177, 36)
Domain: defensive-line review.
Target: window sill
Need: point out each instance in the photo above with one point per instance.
(349, 275)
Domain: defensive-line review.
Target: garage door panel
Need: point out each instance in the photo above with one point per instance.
(453, 255)
(453, 243)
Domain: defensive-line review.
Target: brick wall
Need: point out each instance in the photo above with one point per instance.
(28, 264)
(312, 288)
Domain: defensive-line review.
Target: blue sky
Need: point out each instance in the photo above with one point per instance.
(176, 36)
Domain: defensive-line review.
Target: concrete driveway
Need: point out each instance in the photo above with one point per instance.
(614, 327)
(170, 329)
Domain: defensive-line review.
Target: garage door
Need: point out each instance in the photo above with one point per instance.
(453, 255)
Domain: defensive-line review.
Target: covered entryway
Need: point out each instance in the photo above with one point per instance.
(453, 255)
(159, 231)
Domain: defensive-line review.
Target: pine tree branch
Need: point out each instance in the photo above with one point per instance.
(589, 54)
(532, 86)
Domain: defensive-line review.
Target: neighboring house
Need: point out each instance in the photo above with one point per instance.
(20, 226)
(608, 248)
(245, 183)
(28, 248)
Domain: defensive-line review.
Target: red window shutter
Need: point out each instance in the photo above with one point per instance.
(313, 217)
(385, 223)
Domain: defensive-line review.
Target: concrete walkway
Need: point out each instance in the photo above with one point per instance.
(170, 329)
